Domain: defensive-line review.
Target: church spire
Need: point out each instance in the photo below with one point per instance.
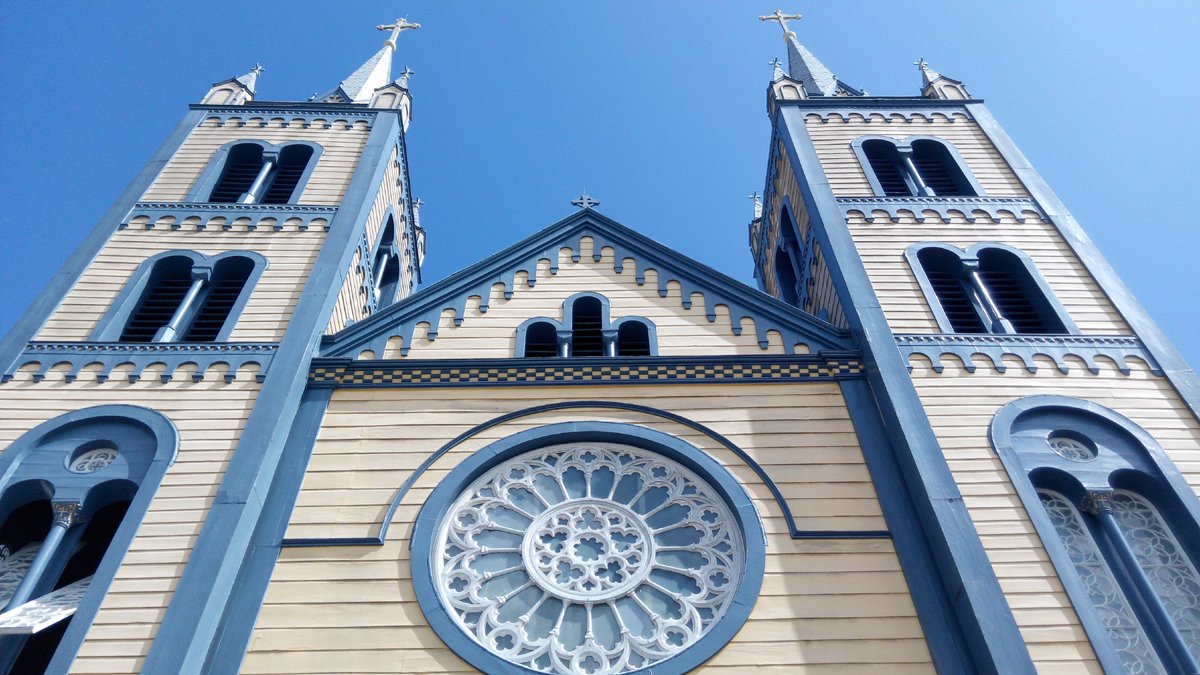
(376, 72)
(806, 68)
(936, 85)
(235, 90)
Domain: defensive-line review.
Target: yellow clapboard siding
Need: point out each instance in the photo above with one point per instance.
(209, 416)
(822, 601)
(327, 184)
(882, 245)
(833, 141)
(961, 406)
(289, 255)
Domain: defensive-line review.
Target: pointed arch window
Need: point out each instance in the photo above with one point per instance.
(182, 296)
(385, 265)
(918, 166)
(989, 288)
(1119, 523)
(257, 172)
(73, 493)
(788, 261)
(586, 331)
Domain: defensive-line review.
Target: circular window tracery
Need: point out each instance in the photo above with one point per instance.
(587, 558)
(1071, 447)
(93, 457)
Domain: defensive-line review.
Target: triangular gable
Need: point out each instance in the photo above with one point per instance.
(452, 293)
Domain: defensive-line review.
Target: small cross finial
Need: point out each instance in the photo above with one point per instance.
(257, 69)
(404, 75)
(775, 62)
(585, 201)
(920, 63)
(758, 205)
(397, 27)
(783, 19)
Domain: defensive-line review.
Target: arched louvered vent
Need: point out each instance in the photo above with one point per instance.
(885, 163)
(165, 289)
(945, 273)
(785, 277)
(221, 294)
(586, 324)
(293, 160)
(938, 168)
(633, 339)
(241, 167)
(1017, 294)
(387, 266)
(541, 340)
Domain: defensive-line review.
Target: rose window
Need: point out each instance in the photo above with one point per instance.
(1071, 448)
(587, 558)
(94, 459)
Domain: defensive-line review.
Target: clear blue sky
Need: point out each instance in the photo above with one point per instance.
(656, 108)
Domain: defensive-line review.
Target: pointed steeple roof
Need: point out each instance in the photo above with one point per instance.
(806, 68)
(250, 79)
(928, 75)
(376, 72)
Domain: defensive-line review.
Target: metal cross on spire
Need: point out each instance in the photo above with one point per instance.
(783, 19)
(405, 75)
(920, 63)
(257, 69)
(585, 201)
(398, 26)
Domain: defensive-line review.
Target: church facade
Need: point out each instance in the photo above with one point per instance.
(940, 436)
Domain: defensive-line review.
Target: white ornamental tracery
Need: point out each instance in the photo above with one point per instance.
(588, 558)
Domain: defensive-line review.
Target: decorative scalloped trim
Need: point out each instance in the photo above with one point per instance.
(528, 266)
(1025, 347)
(110, 355)
(300, 216)
(285, 119)
(965, 207)
(947, 114)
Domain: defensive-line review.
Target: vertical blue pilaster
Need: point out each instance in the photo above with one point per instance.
(202, 596)
(981, 614)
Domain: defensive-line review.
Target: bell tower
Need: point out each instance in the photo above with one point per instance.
(149, 390)
(1025, 390)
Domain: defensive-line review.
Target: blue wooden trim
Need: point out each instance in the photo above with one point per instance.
(202, 595)
(982, 612)
(425, 527)
(915, 207)
(386, 522)
(252, 214)
(166, 448)
(237, 626)
(928, 590)
(216, 166)
(427, 305)
(1177, 370)
(911, 255)
(1090, 349)
(60, 284)
(113, 321)
(1180, 506)
(142, 355)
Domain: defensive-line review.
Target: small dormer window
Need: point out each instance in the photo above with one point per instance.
(586, 331)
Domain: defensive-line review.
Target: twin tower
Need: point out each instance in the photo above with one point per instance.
(941, 435)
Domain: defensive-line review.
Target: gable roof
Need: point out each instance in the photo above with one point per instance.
(427, 305)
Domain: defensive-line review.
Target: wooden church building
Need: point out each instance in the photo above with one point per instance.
(238, 435)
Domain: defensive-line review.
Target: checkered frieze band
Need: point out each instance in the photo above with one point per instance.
(601, 373)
